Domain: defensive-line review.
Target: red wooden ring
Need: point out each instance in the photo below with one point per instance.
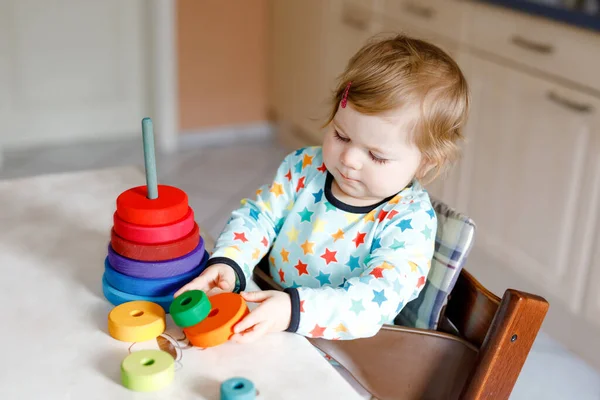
(155, 252)
(135, 207)
(154, 234)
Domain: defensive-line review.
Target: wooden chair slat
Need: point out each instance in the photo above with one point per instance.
(471, 308)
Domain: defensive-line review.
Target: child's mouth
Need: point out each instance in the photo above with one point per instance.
(346, 178)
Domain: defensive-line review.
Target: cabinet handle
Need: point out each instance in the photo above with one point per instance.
(570, 104)
(418, 10)
(354, 22)
(529, 45)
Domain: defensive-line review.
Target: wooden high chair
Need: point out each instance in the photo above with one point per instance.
(475, 351)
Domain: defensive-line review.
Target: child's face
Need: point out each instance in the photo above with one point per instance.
(371, 157)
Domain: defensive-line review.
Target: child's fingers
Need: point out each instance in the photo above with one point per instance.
(224, 285)
(200, 283)
(256, 297)
(256, 332)
(183, 289)
(255, 317)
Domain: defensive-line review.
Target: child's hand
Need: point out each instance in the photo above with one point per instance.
(272, 315)
(217, 276)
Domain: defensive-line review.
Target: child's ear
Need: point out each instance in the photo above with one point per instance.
(426, 166)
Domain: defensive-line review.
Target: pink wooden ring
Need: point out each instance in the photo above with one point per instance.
(154, 234)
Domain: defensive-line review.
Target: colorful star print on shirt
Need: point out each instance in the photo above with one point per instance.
(348, 269)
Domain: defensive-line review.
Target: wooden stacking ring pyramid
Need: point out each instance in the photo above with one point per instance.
(154, 237)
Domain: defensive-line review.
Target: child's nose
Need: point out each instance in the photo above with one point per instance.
(350, 158)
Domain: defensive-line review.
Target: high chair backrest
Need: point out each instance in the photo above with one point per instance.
(453, 242)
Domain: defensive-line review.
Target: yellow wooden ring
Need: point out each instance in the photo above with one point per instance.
(136, 321)
(147, 370)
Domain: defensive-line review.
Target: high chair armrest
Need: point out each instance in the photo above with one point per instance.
(506, 346)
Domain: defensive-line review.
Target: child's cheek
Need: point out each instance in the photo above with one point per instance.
(329, 151)
(380, 183)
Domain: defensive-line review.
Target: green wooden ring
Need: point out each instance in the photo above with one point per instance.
(190, 308)
(147, 370)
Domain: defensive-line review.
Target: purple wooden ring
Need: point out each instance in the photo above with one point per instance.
(156, 269)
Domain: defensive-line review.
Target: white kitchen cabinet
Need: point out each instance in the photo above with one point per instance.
(534, 158)
(551, 48)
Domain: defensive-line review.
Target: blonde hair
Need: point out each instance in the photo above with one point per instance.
(386, 74)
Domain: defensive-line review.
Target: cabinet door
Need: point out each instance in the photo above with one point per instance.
(309, 51)
(592, 299)
(534, 160)
(296, 51)
(347, 26)
(281, 62)
(350, 26)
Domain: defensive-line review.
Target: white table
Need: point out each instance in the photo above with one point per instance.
(53, 240)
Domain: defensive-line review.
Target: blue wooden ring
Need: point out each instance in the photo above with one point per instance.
(238, 389)
(152, 286)
(116, 297)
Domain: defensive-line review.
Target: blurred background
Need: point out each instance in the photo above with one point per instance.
(233, 85)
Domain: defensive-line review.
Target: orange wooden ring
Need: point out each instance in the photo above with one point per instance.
(154, 234)
(155, 252)
(227, 310)
(135, 207)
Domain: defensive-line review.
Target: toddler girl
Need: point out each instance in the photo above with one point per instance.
(347, 227)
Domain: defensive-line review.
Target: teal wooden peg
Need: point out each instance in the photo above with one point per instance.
(149, 158)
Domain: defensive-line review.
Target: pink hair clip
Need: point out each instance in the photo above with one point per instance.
(345, 95)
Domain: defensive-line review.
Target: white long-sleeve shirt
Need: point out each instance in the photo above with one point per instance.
(347, 269)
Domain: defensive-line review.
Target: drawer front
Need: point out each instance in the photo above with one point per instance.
(557, 49)
(443, 17)
(393, 25)
(370, 5)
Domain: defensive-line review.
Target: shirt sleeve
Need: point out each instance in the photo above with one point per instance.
(394, 274)
(251, 229)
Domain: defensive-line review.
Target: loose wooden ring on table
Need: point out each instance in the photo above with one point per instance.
(227, 309)
(135, 207)
(147, 370)
(136, 321)
(154, 234)
(155, 252)
(238, 388)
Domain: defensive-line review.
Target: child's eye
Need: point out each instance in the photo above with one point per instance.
(343, 139)
(377, 159)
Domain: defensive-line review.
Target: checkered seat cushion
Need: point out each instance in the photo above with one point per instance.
(453, 242)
